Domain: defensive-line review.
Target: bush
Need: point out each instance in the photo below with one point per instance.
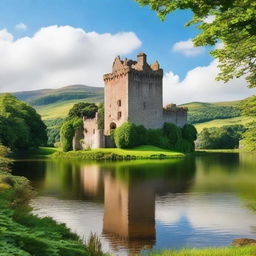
(189, 132)
(66, 135)
(125, 136)
(170, 136)
(172, 131)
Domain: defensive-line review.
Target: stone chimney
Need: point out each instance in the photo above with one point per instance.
(141, 60)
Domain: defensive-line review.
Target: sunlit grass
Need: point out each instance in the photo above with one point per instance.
(141, 152)
(229, 251)
(221, 122)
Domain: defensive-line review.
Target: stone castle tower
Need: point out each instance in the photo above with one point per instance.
(133, 93)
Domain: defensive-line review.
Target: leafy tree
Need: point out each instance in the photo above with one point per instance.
(83, 109)
(249, 137)
(189, 132)
(234, 24)
(21, 127)
(172, 132)
(101, 116)
(225, 137)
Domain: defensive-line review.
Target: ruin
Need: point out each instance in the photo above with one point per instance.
(133, 92)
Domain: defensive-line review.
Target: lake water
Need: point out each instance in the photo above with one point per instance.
(134, 206)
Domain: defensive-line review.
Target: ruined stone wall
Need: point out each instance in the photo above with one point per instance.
(178, 117)
(93, 137)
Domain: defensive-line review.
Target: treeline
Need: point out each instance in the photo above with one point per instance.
(211, 112)
(53, 131)
(225, 137)
(20, 126)
(171, 137)
(48, 99)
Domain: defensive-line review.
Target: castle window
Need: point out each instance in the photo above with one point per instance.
(112, 126)
(119, 114)
(119, 103)
(93, 131)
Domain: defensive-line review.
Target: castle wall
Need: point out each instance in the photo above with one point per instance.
(145, 99)
(116, 101)
(93, 137)
(178, 117)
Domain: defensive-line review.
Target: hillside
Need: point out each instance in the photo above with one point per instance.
(203, 112)
(55, 103)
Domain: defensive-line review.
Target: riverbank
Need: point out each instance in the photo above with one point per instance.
(142, 152)
(228, 251)
(21, 232)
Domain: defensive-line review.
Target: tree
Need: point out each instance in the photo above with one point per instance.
(81, 109)
(20, 126)
(233, 23)
(249, 137)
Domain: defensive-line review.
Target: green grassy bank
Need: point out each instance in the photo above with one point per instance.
(229, 251)
(141, 152)
(21, 232)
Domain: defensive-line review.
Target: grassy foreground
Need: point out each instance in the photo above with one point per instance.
(229, 251)
(141, 152)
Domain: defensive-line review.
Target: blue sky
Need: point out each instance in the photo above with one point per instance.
(41, 47)
(109, 16)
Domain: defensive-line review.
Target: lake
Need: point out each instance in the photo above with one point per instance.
(134, 206)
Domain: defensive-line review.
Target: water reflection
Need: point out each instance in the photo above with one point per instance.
(193, 202)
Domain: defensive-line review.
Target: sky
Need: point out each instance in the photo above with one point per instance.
(53, 43)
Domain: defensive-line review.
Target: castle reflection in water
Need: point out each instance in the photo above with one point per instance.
(140, 205)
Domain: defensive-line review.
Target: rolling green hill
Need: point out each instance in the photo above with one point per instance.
(203, 112)
(55, 103)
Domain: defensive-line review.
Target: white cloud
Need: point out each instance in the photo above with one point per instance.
(200, 85)
(21, 26)
(209, 19)
(187, 48)
(60, 55)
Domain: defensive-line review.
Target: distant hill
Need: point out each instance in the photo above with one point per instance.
(203, 112)
(55, 103)
(50, 96)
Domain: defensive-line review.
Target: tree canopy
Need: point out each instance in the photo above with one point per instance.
(20, 125)
(233, 23)
(81, 109)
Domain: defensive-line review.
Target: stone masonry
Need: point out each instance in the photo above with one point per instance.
(133, 92)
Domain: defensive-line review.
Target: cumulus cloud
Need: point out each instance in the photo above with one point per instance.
(209, 19)
(200, 85)
(187, 48)
(21, 26)
(60, 55)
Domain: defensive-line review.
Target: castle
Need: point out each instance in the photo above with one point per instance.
(133, 92)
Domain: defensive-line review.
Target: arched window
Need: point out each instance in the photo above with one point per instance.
(119, 103)
(112, 126)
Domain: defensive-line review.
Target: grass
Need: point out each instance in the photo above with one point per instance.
(228, 251)
(60, 109)
(221, 122)
(141, 152)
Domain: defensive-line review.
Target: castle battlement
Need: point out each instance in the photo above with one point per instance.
(139, 68)
(133, 93)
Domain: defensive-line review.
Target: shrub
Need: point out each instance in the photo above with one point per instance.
(125, 136)
(172, 131)
(142, 135)
(189, 132)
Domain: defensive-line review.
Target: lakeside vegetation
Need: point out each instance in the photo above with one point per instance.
(21, 232)
(141, 152)
(230, 251)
